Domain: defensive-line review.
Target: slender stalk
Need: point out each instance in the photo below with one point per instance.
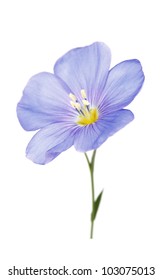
(91, 169)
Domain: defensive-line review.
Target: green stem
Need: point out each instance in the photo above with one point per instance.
(91, 169)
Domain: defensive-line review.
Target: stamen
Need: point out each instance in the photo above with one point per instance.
(72, 104)
(83, 93)
(85, 102)
(86, 114)
(72, 97)
(77, 106)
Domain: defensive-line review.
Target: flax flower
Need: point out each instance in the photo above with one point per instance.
(81, 104)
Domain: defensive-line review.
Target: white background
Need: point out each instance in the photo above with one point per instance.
(45, 210)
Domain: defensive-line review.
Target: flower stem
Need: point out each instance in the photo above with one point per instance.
(91, 169)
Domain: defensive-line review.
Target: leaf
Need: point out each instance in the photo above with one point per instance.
(96, 206)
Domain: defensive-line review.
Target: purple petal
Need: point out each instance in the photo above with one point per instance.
(45, 100)
(85, 68)
(49, 142)
(124, 82)
(92, 136)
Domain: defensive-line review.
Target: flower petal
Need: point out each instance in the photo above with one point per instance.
(85, 68)
(92, 136)
(45, 100)
(124, 82)
(49, 142)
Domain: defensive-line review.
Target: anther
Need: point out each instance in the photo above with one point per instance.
(83, 93)
(72, 97)
(85, 102)
(77, 106)
(72, 104)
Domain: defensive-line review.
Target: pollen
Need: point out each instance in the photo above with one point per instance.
(86, 114)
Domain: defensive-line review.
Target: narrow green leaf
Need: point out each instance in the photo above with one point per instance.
(96, 206)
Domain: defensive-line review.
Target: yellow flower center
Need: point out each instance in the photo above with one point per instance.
(86, 115)
(89, 117)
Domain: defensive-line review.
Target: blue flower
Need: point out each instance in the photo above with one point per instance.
(81, 104)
